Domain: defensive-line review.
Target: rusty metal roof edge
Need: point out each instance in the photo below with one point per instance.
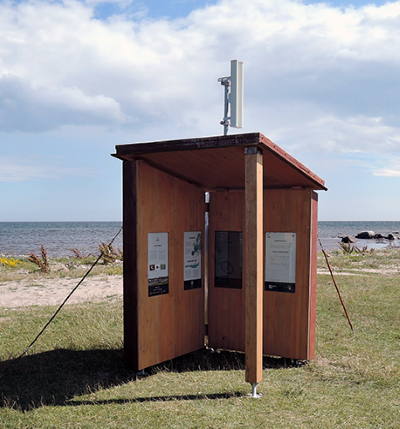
(133, 149)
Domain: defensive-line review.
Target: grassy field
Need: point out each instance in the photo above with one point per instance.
(74, 376)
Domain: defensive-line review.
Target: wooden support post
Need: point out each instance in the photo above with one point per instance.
(253, 262)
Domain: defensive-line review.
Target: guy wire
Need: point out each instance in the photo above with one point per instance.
(336, 286)
(69, 295)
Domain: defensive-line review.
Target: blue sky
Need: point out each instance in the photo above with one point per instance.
(79, 77)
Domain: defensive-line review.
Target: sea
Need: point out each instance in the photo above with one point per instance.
(330, 233)
(58, 238)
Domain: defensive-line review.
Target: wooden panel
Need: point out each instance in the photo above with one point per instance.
(218, 162)
(253, 275)
(224, 168)
(172, 324)
(226, 317)
(289, 319)
(209, 168)
(287, 315)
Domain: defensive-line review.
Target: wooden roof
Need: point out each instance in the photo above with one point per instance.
(218, 162)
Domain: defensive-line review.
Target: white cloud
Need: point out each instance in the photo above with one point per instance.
(35, 109)
(316, 76)
(353, 134)
(122, 3)
(391, 169)
(12, 170)
(387, 172)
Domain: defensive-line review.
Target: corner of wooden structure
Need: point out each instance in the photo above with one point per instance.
(130, 266)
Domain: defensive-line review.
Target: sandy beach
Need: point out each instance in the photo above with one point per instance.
(40, 290)
(44, 291)
(29, 292)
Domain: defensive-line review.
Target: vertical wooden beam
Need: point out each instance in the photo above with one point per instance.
(253, 263)
(313, 276)
(129, 185)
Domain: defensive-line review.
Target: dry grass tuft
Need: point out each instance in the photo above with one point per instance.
(78, 254)
(110, 255)
(43, 263)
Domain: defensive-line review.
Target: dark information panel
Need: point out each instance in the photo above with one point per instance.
(280, 287)
(158, 289)
(192, 284)
(228, 259)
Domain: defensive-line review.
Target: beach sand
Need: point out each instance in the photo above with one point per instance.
(42, 291)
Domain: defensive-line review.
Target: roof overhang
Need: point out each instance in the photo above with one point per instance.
(216, 163)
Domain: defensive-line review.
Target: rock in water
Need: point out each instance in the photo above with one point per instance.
(349, 239)
(366, 234)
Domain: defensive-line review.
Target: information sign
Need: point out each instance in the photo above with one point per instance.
(280, 262)
(192, 260)
(158, 263)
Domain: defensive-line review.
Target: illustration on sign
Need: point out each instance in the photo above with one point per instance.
(192, 260)
(228, 259)
(158, 263)
(280, 262)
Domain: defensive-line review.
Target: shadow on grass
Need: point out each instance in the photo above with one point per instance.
(161, 399)
(221, 360)
(55, 377)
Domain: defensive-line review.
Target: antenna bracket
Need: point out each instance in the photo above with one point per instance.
(226, 82)
(233, 97)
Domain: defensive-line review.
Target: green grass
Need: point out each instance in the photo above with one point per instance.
(74, 376)
(377, 259)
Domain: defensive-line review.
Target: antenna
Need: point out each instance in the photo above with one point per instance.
(234, 98)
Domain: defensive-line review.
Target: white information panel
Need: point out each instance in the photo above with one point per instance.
(280, 262)
(158, 263)
(192, 260)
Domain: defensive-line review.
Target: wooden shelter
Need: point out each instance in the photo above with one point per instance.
(262, 262)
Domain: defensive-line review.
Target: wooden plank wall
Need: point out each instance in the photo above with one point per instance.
(287, 315)
(226, 311)
(289, 319)
(168, 325)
